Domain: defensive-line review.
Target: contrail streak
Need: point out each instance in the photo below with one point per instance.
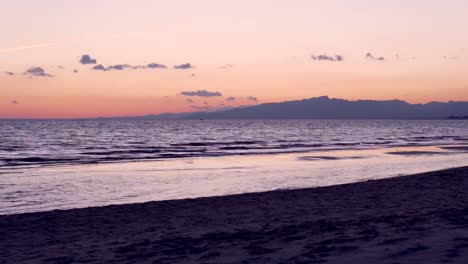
(27, 47)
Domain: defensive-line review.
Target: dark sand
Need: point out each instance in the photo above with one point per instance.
(412, 219)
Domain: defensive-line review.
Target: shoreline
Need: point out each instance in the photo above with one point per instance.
(420, 218)
(82, 186)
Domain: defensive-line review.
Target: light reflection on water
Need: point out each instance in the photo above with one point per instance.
(40, 143)
(77, 186)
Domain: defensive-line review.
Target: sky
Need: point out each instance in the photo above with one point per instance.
(150, 57)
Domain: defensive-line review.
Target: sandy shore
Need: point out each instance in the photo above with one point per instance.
(412, 219)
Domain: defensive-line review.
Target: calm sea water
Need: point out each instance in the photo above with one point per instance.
(47, 165)
(26, 143)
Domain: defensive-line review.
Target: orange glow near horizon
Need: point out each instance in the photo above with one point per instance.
(240, 49)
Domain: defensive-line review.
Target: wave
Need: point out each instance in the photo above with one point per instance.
(38, 144)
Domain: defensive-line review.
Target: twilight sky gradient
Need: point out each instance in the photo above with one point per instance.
(242, 49)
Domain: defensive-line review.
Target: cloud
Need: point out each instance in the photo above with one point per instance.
(451, 57)
(324, 57)
(156, 66)
(226, 66)
(184, 66)
(75, 71)
(86, 59)
(37, 71)
(402, 58)
(117, 67)
(27, 47)
(201, 93)
(190, 101)
(14, 102)
(99, 67)
(230, 99)
(120, 67)
(251, 98)
(369, 56)
(9, 73)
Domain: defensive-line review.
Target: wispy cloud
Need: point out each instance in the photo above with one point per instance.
(226, 66)
(451, 57)
(26, 47)
(121, 67)
(201, 93)
(251, 98)
(37, 71)
(116, 67)
(156, 66)
(404, 58)
(230, 99)
(9, 73)
(184, 66)
(370, 56)
(325, 57)
(14, 102)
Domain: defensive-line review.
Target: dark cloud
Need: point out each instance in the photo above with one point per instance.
(201, 93)
(369, 56)
(37, 71)
(251, 98)
(14, 102)
(184, 66)
(324, 57)
(9, 73)
(86, 59)
(117, 67)
(230, 99)
(156, 66)
(99, 67)
(120, 67)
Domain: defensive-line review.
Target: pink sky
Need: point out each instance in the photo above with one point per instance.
(268, 44)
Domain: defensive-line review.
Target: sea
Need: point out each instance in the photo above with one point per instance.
(63, 164)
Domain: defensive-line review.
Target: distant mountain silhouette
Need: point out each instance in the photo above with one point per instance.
(458, 117)
(164, 116)
(331, 108)
(327, 108)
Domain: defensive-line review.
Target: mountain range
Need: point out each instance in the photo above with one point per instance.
(328, 108)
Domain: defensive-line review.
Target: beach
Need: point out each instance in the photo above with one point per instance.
(410, 219)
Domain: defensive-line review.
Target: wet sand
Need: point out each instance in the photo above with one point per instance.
(412, 219)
